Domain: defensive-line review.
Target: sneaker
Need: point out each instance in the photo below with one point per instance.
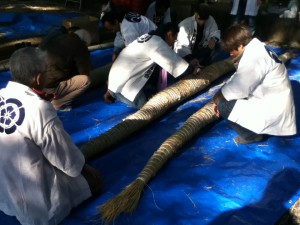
(239, 140)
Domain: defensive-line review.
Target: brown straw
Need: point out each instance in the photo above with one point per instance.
(156, 107)
(127, 200)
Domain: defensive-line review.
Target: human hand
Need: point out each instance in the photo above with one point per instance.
(195, 63)
(94, 179)
(114, 57)
(196, 70)
(211, 43)
(216, 110)
(108, 98)
(87, 169)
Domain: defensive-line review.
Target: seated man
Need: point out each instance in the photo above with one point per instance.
(43, 173)
(68, 66)
(127, 27)
(132, 78)
(258, 98)
(159, 12)
(198, 37)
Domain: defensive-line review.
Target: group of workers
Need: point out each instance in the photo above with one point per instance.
(44, 174)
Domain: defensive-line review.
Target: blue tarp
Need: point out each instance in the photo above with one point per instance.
(31, 24)
(211, 181)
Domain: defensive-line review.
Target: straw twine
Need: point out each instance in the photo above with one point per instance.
(128, 199)
(156, 107)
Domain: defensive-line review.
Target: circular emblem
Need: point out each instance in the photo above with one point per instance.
(12, 114)
(133, 17)
(144, 38)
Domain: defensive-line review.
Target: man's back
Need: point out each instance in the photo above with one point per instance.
(40, 166)
(136, 61)
(68, 56)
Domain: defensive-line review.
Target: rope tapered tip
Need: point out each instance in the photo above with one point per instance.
(124, 202)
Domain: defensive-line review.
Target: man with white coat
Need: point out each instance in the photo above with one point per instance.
(132, 78)
(258, 97)
(198, 36)
(127, 27)
(43, 173)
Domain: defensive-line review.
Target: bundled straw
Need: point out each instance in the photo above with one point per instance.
(127, 200)
(157, 106)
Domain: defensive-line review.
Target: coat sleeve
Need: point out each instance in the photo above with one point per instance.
(60, 150)
(119, 43)
(211, 31)
(167, 16)
(183, 45)
(166, 58)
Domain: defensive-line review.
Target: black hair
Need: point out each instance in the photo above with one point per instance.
(235, 36)
(112, 16)
(53, 34)
(162, 30)
(26, 63)
(203, 11)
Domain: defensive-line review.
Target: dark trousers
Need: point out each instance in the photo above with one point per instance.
(225, 107)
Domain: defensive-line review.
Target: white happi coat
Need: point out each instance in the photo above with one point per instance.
(252, 7)
(40, 165)
(263, 92)
(151, 13)
(135, 64)
(133, 26)
(186, 37)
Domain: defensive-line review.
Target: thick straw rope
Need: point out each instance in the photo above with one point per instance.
(157, 106)
(127, 200)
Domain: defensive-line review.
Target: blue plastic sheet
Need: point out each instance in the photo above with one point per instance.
(211, 181)
(32, 24)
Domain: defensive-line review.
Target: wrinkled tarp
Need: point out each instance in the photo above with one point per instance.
(31, 24)
(211, 181)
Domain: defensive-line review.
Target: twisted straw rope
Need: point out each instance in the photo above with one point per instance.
(169, 147)
(128, 199)
(156, 107)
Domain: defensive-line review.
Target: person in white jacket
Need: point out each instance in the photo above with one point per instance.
(199, 37)
(43, 173)
(258, 98)
(159, 12)
(127, 27)
(133, 78)
(292, 10)
(246, 10)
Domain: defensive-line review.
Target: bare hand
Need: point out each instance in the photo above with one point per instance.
(196, 70)
(211, 43)
(216, 110)
(87, 169)
(195, 63)
(108, 98)
(114, 57)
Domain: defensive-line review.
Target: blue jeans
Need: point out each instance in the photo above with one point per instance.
(225, 107)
